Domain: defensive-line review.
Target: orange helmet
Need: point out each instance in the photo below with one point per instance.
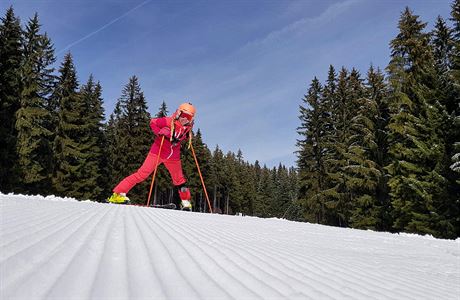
(187, 108)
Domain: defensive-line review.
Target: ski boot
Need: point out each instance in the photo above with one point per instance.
(118, 198)
(184, 194)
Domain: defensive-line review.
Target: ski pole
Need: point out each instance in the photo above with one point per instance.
(201, 177)
(155, 171)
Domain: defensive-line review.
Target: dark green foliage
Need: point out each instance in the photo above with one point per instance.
(453, 138)
(190, 170)
(311, 162)
(377, 94)
(34, 137)
(218, 176)
(361, 170)
(93, 174)
(130, 138)
(338, 195)
(380, 153)
(10, 94)
(415, 145)
(71, 145)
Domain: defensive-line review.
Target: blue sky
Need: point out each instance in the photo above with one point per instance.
(245, 65)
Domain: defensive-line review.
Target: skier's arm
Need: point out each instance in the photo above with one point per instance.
(160, 126)
(157, 124)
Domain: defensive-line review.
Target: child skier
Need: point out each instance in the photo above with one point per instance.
(174, 129)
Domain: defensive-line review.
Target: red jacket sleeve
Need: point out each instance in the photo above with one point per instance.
(158, 123)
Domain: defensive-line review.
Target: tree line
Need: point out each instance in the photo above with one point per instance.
(56, 140)
(382, 151)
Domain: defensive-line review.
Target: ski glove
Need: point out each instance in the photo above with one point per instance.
(166, 132)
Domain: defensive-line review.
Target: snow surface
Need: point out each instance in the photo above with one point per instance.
(53, 248)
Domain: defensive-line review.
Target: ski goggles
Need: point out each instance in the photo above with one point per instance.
(186, 116)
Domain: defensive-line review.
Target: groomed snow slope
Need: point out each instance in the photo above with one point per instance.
(55, 249)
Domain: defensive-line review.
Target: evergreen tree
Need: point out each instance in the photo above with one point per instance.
(249, 181)
(377, 93)
(93, 179)
(10, 94)
(265, 191)
(34, 144)
(246, 185)
(282, 198)
(338, 203)
(162, 111)
(114, 151)
(218, 176)
(232, 186)
(415, 146)
(131, 137)
(311, 163)
(294, 211)
(361, 170)
(71, 146)
(190, 169)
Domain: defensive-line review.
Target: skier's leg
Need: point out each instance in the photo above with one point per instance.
(175, 169)
(140, 175)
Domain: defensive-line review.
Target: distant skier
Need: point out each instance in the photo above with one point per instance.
(175, 129)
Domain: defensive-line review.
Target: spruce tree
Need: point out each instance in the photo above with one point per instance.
(232, 185)
(114, 151)
(282, 197)
(311, 163)
(415, 147)
(377, 92)
(218, 176)
(92, 179)
(34, 144)
(338, 203)
(249, 181)
(265, 191)
(361, 170)
(10, 95)
(190, 169)
(131, 137)
(71, 147)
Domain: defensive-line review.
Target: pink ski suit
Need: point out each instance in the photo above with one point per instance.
(170, 154)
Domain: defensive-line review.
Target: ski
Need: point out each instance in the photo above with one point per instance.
(167, 206)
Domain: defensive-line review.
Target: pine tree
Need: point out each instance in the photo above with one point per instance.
(361, 170)
(265, 191)
(218, 176)
(10, 94)
(71, 147)
(246, 184)
(282, 199)
(92, 179)
(162, 111)
(190, 169)
(377, 92)
(131, 137)
(115, 153)
(338, 203)
(249, 181)
(232, 186)
(294, 211)
(415, 146)
(34, 144)
(311, 163)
